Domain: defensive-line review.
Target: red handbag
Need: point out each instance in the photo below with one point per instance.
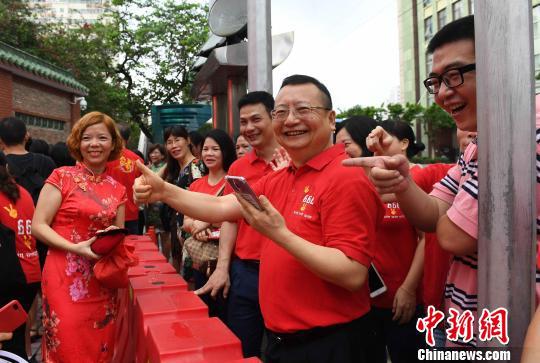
(107, 240)
(111, 270)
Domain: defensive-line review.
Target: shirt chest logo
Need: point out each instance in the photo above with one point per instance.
(126, 165)
(393, 211)
(307, 200)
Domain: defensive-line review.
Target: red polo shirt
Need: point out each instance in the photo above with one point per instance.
(328, 205)
(436, 260)
(394, 252)
(248, 240)
(124, 171)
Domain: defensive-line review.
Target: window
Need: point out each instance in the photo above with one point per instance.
(428, 28)
(536, 22)
(457, 9)
(427, 2)
(441, 18)
(537, 62)
(40, 121)
(429, 63)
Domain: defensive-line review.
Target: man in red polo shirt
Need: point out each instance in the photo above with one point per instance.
(319, 220)
(244, 316)
(123, 170)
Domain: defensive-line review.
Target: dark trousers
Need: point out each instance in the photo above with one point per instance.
(25, 295)
(341, 343)
(402, 340)
(244, 313)
(216, 307)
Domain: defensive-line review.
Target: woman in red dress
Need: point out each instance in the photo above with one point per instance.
(77, 201)
(218, 153)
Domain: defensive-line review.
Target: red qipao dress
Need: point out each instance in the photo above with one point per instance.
(78, 313)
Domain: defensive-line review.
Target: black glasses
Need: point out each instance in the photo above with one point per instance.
(301, 111)
(451, 78)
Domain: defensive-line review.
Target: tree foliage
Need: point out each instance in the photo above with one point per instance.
(432, 117)
(140, 54)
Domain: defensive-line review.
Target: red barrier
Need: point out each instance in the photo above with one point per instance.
(156, 284)
(150, 256)
(145, 268)
(145, 247)
(198, 340)
(138, 238)
(170, 306)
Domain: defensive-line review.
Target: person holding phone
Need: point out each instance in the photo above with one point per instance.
(319, 221)
(21, 282)
(76, 202)
(217, 155)
(237, 272)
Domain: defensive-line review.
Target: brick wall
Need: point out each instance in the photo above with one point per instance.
(6, 94)
(37, 99)
(51, 136)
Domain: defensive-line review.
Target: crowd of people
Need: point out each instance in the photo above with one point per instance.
(336, 202)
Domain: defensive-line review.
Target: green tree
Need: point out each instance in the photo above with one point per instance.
(18, 27)
(435, 119)
(141, 54)
(376, 113)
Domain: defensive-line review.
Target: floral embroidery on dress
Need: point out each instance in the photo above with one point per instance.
(78, 265)
(50, 327)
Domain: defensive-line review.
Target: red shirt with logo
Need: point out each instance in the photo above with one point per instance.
(328, 205)
(124, 171)
(18, 217)
(436, 260)
(395, 247)
(248, 240)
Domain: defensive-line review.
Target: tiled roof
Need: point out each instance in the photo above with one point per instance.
(38, 66)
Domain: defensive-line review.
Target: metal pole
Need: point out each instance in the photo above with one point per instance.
(507, 210)
(259, 46)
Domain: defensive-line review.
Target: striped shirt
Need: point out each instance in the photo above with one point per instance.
(459, 188)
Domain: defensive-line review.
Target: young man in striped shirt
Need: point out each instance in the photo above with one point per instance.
(451, 208)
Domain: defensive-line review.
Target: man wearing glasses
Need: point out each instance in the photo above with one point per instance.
(239, 244)
(319, 220)
(451, 208)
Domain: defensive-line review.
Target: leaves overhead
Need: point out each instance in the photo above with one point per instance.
(140, 54)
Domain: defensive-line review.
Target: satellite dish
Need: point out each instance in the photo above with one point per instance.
(227, 17)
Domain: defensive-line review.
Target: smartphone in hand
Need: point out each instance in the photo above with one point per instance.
(241, 186)
(12, 315)
(376, 283)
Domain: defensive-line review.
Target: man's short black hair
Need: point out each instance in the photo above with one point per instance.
(12, 131)
(461, 29)
(299, 79)
(255, 97)
(124, 130)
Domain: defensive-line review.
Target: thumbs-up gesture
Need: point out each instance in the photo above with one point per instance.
(389, 174)
(149, 187)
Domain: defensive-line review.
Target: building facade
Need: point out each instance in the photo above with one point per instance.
(71, 12)
(418, 21)
(45, 97)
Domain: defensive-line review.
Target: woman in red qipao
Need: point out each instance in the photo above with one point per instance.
(77, 201)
